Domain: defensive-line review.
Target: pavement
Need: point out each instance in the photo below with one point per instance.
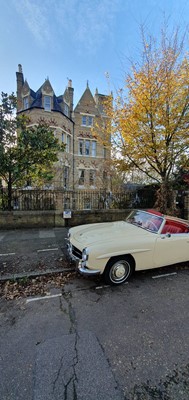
(33, 252)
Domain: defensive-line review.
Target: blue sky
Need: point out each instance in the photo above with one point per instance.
(78, 39)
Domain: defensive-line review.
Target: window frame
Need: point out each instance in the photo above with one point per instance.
(94, 148)
(66, 109)
(68, 143)
(81, 180)
(84, 120)
(81, 147)
(26, 102)
(47, 104)
(87, 148)
(90, 120)
(87, 120)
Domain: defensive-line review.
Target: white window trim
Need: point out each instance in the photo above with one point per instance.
(87, 115)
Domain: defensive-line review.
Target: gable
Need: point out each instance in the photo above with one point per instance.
(86, 103)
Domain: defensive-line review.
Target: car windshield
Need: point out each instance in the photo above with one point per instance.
(145, 220)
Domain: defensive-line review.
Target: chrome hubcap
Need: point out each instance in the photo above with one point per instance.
(120, 271)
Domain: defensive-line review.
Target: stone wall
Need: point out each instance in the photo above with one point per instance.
(26, 219)
(51, 219)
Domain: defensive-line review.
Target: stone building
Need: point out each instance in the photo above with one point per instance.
(85, 164)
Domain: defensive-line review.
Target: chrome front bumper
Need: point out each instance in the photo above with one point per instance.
(88, 272)
(80, 263)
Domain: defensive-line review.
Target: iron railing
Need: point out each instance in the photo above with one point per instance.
(95, 200)
(24, 200)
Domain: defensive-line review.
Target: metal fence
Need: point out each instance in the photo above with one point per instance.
(95, 200)
(24, 200)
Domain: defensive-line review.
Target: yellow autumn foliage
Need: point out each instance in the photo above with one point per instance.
(150, 124)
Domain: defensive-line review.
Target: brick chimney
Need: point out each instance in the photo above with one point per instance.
(20, 82)
(71, 94)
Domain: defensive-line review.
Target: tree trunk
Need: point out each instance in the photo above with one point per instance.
(165, 199)
(10, 192)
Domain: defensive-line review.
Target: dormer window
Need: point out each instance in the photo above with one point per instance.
(47, 103)
(66, 109)
(26, 102)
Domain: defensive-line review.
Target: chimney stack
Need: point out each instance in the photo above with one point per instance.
(20, 82)
(71, 94)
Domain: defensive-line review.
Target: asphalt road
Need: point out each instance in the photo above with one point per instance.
(87, 341)
(31, 250)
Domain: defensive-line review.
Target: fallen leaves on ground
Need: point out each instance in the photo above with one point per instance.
(25, 287)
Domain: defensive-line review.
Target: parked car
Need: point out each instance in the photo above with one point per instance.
(143, 241)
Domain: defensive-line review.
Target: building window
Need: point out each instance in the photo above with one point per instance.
(66, 109)
(81, 177)
(68, 142)
(47, 103)
(84, 120)
(66, 139)
(92, 176)
(26, 102)
(93, 148)
(87, 120)
(66, 177)
(81, 147)
(87, 147)
(90, 121)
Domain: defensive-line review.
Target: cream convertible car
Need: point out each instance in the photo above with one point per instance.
(115, 249)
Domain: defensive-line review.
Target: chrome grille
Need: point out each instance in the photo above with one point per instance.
(76, 252)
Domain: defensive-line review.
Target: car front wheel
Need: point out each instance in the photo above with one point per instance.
(118, 270)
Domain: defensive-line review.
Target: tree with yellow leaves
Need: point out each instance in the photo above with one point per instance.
(150, 130)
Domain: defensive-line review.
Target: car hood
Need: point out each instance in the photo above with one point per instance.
(96, 233)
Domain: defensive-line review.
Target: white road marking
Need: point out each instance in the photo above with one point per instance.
(107, 286)
(7, 254)
(101, 287)
(2, 237)
(43, 298)
(164, 275)
(42, 250)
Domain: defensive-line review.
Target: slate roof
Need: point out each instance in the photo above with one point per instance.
(37, 100)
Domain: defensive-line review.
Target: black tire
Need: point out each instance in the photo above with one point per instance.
(118, 270)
